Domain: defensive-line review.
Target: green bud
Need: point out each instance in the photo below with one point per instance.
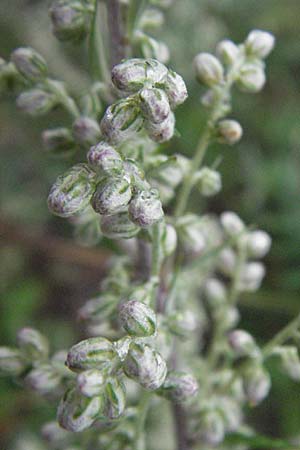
(90, 382)
(86, 131)
(259, 43)
(58, 141)
(76, 412)
(93, 353)
(133, 74)
(209, 70)
(161, 132)
(99, 308)
(112, 195)
(72, 191)
(168, 239)
(11, 361)
(69, 20)
(175, 89)
(290, 362)
(33, 344)
(104, 158)
(43, 379)
(252, 78)
(118, 226)
(137, 318)
(227, 52)
(209, 181)
(179, 386)
(115, 398)
(229, 131)
(36, 102)
(243, 344)
(256, 384)
(154, 104)
(145, 208)
(10, 78)
(30, 64)
(145, 365)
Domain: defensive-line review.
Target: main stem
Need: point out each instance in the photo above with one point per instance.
(116, 31)
(282, 336)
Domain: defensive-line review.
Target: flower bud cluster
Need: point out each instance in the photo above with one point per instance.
(152, 92)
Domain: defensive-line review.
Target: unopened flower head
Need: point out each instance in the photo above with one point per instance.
(118, 226)
(44, 379)
(258, 243)
(72, 191)
(29, 63)
(145, 208)
(36, 102)
(137, 318)
(209, 70)
(145, 365)
(210, 182)
(252, 276)
(90, 382)
(229, 131)
(256, 384)
(104, 158)
(112, 195)
(259, 43)
(242, 343)
(69, 20)
(86, 131)
(211, 427)
(151, 18)
(161, 132)
(252, 78)
(76, 412)
(115, 398)
(11, 361)
(33, 344)
(93, 353)
(215, 291)
(231, 223)
(179, 386)
(154, 104)
(227, 52)
(175, 89)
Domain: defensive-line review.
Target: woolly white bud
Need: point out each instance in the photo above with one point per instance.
(242, 343)
(179, 386)
(229, 131)
(36, 102)
(154, 104)
(215, 291)
(33, 344)
(93, 353)
(29, 63)
(227, 261)
(209, 181)
(258, 243)
(104, 158)
(209, 70)
(145, 208)
(252, 276)
(231, 223)
(161, 132)
(118, 226)
(259, 43)
(256, 384)
(111, 196)
(252, 78)
(86, 131)
(227, 52)
(175, 89)
(90, 382)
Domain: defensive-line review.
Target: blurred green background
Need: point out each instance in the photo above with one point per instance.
(44, 277)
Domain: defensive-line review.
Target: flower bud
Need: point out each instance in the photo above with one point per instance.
(154, 104)
(152, 48)
(209, 70)
(36, 102)
(118, 226)
(104, 158)
(58, 141)
(137, 318)
(231, 223)
(11, 361)
(211, 427)
(209, 182)
(29, 63)
(86, 131)
(99, 308)
(93, 353)
(161, 132)
(175, 89)
(179, 386)
(290, 361)
(145, 208)
(121, 121)
(168, 240)
(182, 323)
(151, 18)
(10, 78)
(90, 382)
(145, 365)
(227, 261)
(190, 233)
(115, 398)
(112, 195)
(252, 276)
(227, 52)
(33, 344)
(229, 131)
(252, 78)
(72, 191)
(76, 412)
(242, 344)
(256, 384)
(43, 379)
(69, 20)
(54, 434)
(215, 292)
(258, 244)
(259, 43)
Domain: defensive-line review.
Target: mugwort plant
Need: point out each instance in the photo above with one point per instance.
(163, 328)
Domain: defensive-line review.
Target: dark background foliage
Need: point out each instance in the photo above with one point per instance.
(44, 277)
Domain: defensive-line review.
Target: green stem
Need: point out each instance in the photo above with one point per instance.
(97, 56)
(155, 263)
(116, 32)
(282, 336)
(234, 288)
(58, 89)
(143, 408)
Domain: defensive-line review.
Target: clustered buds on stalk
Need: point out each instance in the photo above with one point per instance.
(30, 64)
